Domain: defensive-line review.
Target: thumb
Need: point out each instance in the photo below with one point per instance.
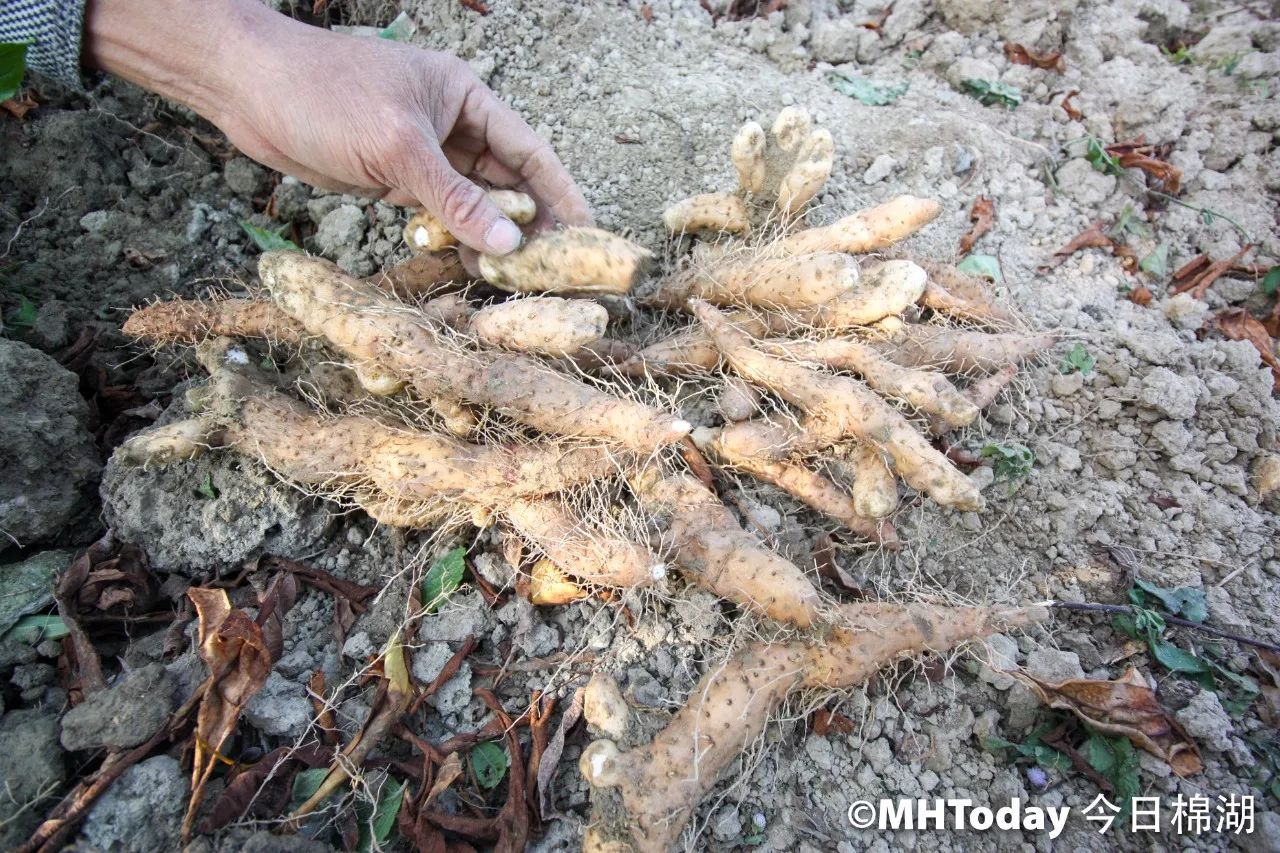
(462, 207)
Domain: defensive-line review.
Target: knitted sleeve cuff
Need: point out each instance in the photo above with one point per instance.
(54, 29)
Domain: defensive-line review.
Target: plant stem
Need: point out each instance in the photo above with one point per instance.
(1171, 620)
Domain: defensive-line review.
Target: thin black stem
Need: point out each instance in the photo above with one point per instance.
(1171, 620)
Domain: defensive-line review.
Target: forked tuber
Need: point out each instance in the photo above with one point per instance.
(659, 784)
(426, 233)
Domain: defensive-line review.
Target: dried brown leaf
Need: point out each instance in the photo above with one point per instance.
(263, 790)
(1021, 55)
(555, 749)
(1140, 295)
(1124, 707)
(982, 214)
(1094, 237)
(1240, 325)
(446, 775)
(232, 647)
(825, 722)
(548, 585)
(1069, 108)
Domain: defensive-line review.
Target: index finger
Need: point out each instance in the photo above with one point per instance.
(514, 144)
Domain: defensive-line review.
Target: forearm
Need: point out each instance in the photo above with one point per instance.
(191, 51)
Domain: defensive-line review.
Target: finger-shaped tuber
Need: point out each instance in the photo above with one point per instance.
(571, 260)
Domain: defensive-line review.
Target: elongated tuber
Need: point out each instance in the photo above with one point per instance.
(928, 391)
(839, 407)
(718, 212)
(790, 282)
(183, 321)
(572, 260)
(868, 230)
(885, 291)
(747, 153)
(962, 296)
(542, 324)
(661, 783)
(717, 554)
(959, 350)
(581, 549)
(873, 487)
(368, 325)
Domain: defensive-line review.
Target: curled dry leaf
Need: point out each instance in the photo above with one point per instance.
(1021, 55)
(981, 215)
(1094, 237)
(263, 790)
(232, 646)
(548, 585)
(825, 722)
(1240, 325)
(1140, 295)
(1137, 154)
(1072, 111)
(1124, 707)
(1199, 274)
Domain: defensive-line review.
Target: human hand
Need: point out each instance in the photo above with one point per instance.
(364, 116)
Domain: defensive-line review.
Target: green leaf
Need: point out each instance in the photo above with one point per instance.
(1125, 623)
(206, 488)
(443, 579)
(1050, 758)
(985, 266)
(13, 64)
(376, 827)
(1178, 660)
(36, 628)
(267, 241)
(1078, 360)
(306, 783)
(401, 29)
(25, 317)
(870, 93)
(1184, 601)
(1115, 760)
(754, 840)
(1097, 155)
(489, 763)
(1156, 264)
(990, 92)
(1011, 461)
(1271, 281)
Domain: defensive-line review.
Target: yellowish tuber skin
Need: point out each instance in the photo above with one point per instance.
(368, 325)
(962, 296)
(377, 380)
(874, 488)
(547, 325)
(789, 282)
(928, 391)
(712, 548)
(737, 400)
(183, 321)
(806, 178)
(421, 275)
(886, 290)
(579, 549)
(791, 128)
(426, 233)
(717, 212)
(604, 708)
(548, 585)
(867, 231)
(959, 350)
(404, 465)
(981, 392)
(735, 446)
(747, 153)
(840, 407)
(457, 419)
(661, 783)
(571, 260)
(175, 442)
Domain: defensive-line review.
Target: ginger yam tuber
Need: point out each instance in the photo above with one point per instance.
(868, 230)
(547, 325)
(184, 321)
(959, 350)
(839, 407)
(717, 212)
(790, 282)
(885, 291)
(368, 325)
(662, 782)
(733, 446)
(873, 487)
(719, 555)
(571, 260)
(578, 548)
(965, 297)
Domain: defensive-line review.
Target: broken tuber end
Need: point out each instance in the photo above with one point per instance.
(599, 764)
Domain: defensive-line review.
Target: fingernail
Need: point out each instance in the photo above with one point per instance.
(502, 237)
